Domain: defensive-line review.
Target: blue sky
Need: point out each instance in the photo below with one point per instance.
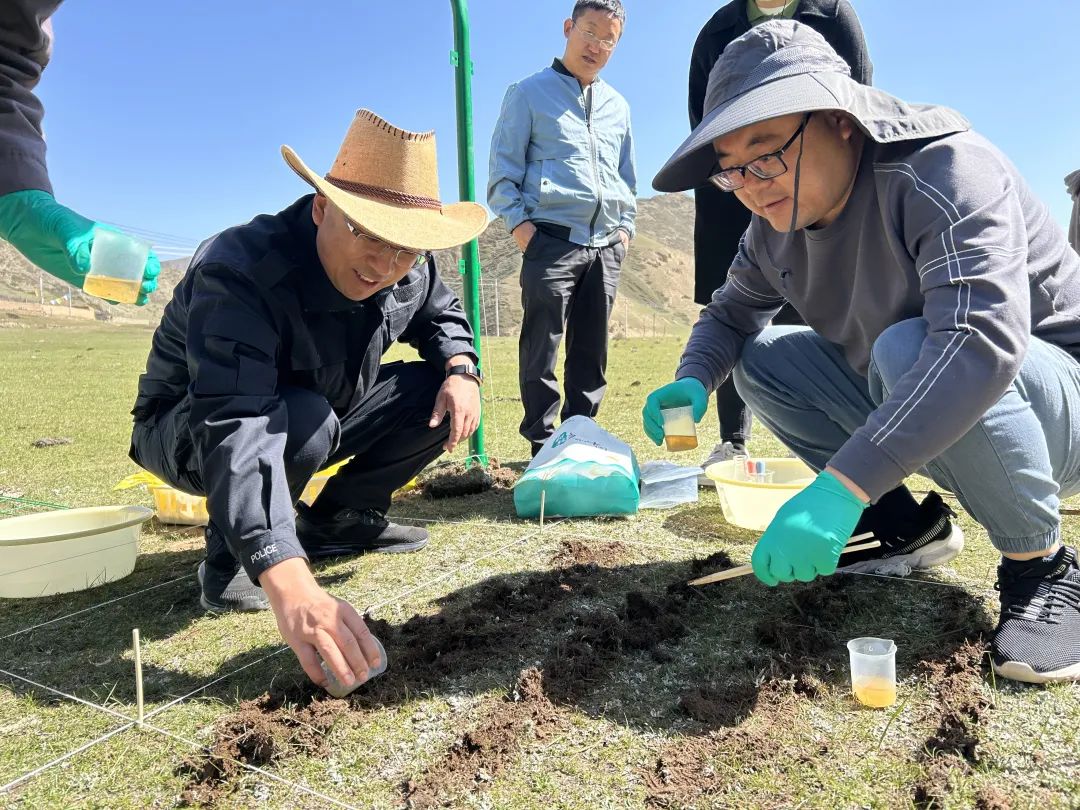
(168, 117)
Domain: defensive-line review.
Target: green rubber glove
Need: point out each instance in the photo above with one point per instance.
(679, 394)
(808, 533)
(58, 240)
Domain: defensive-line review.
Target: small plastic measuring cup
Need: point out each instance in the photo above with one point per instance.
(873, 671)
(680, 431)
(335, 687)
(117, 262)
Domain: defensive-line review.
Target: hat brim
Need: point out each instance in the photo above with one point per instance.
(418, 229)
(883, 117)
(692, 162)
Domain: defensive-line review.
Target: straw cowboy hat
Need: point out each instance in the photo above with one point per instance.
(782, 67)
(385, 180)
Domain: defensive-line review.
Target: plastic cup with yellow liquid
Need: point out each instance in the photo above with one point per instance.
(873, 671)
(680, 431)
(117, 262)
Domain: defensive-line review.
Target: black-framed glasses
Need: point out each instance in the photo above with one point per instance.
(400, 258)
(765, 167)
(593, 39)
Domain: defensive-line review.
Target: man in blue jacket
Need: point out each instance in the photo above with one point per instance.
(942, 305)
(562, 179)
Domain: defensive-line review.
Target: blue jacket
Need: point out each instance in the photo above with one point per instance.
(564, 156)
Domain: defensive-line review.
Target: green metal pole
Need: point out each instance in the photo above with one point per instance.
(469, 267)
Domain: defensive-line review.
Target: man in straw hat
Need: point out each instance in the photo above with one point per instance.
(943, 306)
(267, 366)
(562, 179)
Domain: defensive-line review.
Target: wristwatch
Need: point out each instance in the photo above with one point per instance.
(469, 370)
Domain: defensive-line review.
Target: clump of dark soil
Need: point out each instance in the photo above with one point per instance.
(576, 552)
(52, 441)
(707, 565)
(483, 751)
(956, 744)
(259, 732)
(455, 480)
(991, 798)
(594, 640)
(715, 706)
(684, 772)
(958, 684)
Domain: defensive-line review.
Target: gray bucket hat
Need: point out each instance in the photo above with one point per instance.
(782, 67)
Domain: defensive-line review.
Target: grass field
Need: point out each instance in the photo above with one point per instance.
(529, 668)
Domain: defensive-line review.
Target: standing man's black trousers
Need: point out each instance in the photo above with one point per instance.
(564, 286)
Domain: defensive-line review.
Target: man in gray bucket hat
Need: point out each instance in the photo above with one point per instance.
(943, 312)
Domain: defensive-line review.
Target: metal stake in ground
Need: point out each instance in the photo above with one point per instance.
(138, 674)
(543, 497)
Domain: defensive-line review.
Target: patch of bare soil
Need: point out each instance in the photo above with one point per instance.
(599, 552)
(956, 744)
(455, 480)
(52, 441)
(485, 750)
(260, 732)
(695, 768)
(592, 641)
(750, 722)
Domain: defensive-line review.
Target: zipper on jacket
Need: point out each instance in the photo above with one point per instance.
(587, 95)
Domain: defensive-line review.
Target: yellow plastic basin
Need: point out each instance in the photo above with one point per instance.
(68, 550)
(751, 505)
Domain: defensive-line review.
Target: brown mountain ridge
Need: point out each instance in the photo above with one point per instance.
(655, 290)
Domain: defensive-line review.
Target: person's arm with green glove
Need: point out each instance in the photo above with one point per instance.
(57, 239)
(810, 530)
(742, 307)
(53, 237)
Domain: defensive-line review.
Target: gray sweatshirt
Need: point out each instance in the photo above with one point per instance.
(25, 47)
(945, 230)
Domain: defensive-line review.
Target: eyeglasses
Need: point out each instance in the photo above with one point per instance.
(593, 39)
(400, 258)
(765, 167)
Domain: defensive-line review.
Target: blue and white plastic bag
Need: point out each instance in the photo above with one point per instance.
(583, 470)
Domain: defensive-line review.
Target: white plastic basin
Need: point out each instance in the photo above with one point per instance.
(751, 505)
(68, 550)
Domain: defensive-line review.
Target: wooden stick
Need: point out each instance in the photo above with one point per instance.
(138, 674)
(743, 570)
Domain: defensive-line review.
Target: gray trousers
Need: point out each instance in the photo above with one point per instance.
(571, 288)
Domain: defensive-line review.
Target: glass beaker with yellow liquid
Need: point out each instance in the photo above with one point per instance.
(680, 430)
(873, 671)
(117, 262)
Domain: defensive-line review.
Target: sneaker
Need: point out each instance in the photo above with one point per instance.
(229, 591)
(1038, 636)
(354, 531)
(725, 451)
(926, 540)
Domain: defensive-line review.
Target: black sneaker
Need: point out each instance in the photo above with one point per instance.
(229, 591)
(926, 539)
(1038, 636)
(354, 531)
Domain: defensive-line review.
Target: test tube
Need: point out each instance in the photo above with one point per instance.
(739, 466)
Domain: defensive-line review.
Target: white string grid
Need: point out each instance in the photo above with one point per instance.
(132, 724)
